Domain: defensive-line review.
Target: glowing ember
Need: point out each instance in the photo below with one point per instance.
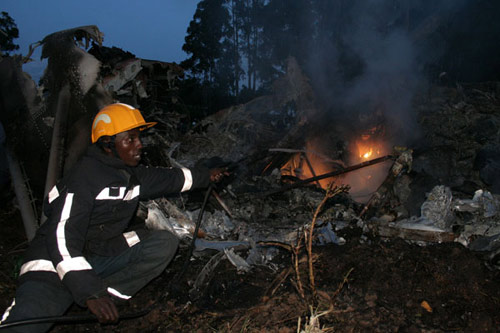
(367, 154)
(367, 151)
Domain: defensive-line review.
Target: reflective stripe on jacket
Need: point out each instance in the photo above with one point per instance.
(89, 212)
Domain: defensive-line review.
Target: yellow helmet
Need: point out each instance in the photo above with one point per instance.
(116, 118)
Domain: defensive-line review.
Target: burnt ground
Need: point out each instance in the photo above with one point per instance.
(366, 285)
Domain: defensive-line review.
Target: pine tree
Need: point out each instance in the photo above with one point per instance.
(288, 27)
(250, 25)
(8, 31)
(212, 43)
(204, 39)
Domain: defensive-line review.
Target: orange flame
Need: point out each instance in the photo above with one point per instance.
(362, 182)
(311, 162)
(367, 150)
(367, 154)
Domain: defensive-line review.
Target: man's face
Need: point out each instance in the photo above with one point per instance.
(129, 146)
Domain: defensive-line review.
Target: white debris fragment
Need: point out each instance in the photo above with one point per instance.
(240, 263)
(88, 70)
(486, 200)
(437, 209)
(180, 226)
(126, 71)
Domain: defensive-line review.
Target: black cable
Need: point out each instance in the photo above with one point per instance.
(71, 319)
(195, 233)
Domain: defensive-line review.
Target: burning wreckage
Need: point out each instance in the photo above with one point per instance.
(290, 157)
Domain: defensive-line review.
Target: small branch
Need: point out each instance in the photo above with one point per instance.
(222, 204)
(277, 283)
(295, 258)
(278, 244)
(330, 193)
(341, 285)
(309, 241)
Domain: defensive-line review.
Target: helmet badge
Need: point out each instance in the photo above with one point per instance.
(102, 117)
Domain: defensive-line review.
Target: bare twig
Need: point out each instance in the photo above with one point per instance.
(277, 282)
(341, 285)
(285, 246)
(330, 193)
(295, 258)
(222, 204)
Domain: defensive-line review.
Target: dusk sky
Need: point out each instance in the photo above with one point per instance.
(150, 29)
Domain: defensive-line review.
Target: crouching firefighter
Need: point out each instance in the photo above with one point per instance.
(85, 252)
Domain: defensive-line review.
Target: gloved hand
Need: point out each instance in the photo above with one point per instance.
(104, 309)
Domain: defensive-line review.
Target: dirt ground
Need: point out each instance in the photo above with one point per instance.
(366, 285)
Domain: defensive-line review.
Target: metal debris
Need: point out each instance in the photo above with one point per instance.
(240, 263)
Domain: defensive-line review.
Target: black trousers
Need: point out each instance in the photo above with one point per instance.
(126, 273)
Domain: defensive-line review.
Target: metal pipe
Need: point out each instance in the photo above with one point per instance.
(326, 175)
(197, 227)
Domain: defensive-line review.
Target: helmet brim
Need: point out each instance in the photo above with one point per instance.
(147, 125)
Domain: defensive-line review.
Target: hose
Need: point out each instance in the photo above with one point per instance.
(72, 319)
(195, 233)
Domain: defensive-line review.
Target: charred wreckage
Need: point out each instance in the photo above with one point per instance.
(299, 174)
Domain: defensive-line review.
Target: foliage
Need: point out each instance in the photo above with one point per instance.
(204, 39)
(211, 62)
(8, 32)
(237, 48)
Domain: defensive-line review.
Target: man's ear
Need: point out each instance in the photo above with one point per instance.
(106, 144)
(106, 149)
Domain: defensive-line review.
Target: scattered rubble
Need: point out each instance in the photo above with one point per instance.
(444, 190)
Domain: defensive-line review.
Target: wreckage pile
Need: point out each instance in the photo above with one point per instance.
(442, 188)
(441, 191)
(425, 200)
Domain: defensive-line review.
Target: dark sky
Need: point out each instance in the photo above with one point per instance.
(151, 29)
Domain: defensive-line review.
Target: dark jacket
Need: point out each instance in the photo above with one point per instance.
(88, 212)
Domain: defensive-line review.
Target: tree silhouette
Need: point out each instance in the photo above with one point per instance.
(8, 31)
(238, 48)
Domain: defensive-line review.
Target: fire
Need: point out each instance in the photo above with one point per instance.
(368, 148)
(367, 154)
(313, 161)
(364, 182)
(367, 151)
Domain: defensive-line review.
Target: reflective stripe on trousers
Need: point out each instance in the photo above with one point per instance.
(126, 273)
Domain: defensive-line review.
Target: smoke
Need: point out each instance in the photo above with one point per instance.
(388, 83)
(368, 74)
(374, 67)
